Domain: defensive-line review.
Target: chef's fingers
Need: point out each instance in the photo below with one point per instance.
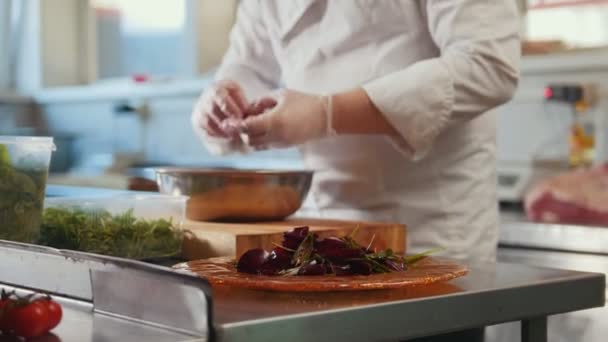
(232, 126)
(237, 95)
(217, 117)
(213, 130)
(257, 126)
(204, 123)
(259, 143)
(227, 104)
(260, 106)
(216, 114)
(262, 140)
(262, 147)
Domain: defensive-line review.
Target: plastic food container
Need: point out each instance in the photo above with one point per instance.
(24, 167)
(129, 226)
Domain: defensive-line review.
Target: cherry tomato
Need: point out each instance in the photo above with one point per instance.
(54, 312)
(30, 320)
(4, 315)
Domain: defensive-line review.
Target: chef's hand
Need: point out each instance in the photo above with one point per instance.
(284, 119)
(224, 99)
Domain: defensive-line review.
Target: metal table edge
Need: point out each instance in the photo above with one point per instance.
(589, 283)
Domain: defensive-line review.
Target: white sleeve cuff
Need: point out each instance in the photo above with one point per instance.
(417, 101)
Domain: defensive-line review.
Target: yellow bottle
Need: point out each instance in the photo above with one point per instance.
(582, 137)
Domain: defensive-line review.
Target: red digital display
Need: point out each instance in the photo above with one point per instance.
(542, 4)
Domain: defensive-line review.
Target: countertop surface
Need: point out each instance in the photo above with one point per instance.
(489, 294)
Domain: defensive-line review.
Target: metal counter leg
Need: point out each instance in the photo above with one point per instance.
(534, 330)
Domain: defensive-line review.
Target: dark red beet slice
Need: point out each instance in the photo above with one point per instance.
(337, 250)
(278, 259)
(293, 238)
(330, 243)
(360, 267)
(312, 269)
(252, 261)
(341, 270)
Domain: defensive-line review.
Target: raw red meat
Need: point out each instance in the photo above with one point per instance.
(576, 197)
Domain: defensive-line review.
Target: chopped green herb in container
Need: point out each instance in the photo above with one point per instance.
(134, 227)
(24, 166)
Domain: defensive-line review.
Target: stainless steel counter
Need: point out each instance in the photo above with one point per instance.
(490, 294)
(114, 299)
(572, 247)
(567, 238)
(110, 299)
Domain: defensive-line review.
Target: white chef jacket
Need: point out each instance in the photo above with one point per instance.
(434, 68)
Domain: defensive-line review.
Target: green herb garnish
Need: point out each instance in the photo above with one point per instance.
(304, 252)
(98, 231)
(411, 259)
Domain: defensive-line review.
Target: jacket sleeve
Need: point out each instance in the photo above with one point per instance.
(476, 71)
(249, 61)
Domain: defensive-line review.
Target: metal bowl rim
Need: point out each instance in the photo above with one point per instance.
(228, 172)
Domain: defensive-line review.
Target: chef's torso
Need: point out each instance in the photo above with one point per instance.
(446, 199)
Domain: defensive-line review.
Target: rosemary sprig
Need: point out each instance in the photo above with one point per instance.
(304, 252)
(411, 259)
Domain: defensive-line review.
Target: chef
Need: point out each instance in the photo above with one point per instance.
(390, 102)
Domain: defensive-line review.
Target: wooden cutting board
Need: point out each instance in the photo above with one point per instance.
(212, 239)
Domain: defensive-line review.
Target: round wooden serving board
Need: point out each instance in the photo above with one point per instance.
(222, 272)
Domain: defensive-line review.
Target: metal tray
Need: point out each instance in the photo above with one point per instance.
(111, 297)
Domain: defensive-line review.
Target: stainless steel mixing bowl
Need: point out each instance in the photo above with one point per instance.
(236, 195)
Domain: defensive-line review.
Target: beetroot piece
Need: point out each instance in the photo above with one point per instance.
(312, 269)
(360, 267)
(302, 253)
(294, 237)
(252, 261)
(278, 259)
(330, 243)
(341, 270)
(337, 250)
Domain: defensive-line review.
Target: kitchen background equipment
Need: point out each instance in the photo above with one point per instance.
(567, 130)
(63, 158)
(213, 239)
(236, 195)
